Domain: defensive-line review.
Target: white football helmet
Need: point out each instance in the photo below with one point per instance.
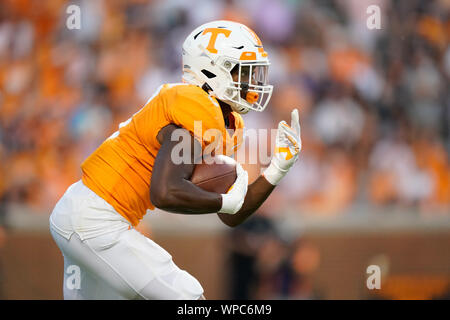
(216, 51)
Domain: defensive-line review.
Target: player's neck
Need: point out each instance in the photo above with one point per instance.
(226, 109)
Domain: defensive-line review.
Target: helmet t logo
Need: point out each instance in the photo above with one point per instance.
(214, 33)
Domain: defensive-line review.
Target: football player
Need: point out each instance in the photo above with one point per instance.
(225, 71)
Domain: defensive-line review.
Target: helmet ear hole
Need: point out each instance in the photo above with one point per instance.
(209, 74)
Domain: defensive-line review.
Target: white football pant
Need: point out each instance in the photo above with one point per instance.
(105, 258)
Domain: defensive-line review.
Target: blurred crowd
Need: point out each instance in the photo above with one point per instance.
(374, 104)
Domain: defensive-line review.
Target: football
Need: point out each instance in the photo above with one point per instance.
(218, 176)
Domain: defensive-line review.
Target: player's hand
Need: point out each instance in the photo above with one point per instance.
(287, 148)
(232, 200)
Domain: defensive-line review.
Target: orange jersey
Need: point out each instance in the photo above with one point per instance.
(120, 170)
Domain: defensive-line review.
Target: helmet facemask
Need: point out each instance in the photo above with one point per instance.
(249, 88)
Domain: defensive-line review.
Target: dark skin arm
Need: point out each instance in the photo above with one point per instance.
(170, 189)
(257, 193)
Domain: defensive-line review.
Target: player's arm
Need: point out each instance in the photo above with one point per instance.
(287, 149)
(171, 190)
(257, 193)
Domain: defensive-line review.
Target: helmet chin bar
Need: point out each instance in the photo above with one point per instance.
(241, 105)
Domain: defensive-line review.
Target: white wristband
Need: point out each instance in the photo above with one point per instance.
(274, 174)
(227, 204)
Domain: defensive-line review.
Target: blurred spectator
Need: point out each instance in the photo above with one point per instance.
(2, 237)
(252, 245)
(396, 174)
(298, 272)
(338, 119)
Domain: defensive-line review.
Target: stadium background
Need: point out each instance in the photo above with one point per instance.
(373, 181)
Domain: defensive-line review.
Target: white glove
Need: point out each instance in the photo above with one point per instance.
(232, 200)
(287, 148)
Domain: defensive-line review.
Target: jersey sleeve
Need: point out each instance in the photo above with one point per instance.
(199, 114)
